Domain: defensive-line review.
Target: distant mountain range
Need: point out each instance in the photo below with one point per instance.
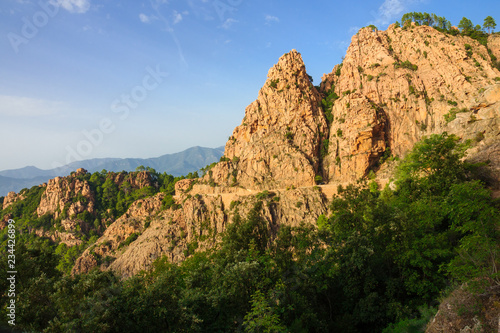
(177, 164)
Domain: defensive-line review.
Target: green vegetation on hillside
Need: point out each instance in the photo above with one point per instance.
(381, 257)
(112, 199)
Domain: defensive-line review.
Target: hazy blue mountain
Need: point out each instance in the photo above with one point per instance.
(177, 164)
(8, 184)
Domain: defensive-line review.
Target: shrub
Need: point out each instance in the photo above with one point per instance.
(324, 148)
(129, 239)
(338, 70)
(274, 83)
(452, 114)
(405, 64)
(263, 195)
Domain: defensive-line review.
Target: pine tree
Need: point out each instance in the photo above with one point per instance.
(466, 25)
(489, 23)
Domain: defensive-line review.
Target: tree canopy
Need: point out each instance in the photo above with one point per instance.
(465, 25)
(489, 23)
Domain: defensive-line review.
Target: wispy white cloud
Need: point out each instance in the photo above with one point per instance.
(144, 18)
(270, 19)
(73, 6)
(390, 11)
(228, 23)
(156, 6)
(17, 106)
(177, 17)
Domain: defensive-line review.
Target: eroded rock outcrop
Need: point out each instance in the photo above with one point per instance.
(397, 85)
(198, 225)
(11, 198)
(61, 191)
(278, 143)
(133, 222)
(466, 312)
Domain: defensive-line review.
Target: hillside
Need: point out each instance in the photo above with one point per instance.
(285, 176)
(177, 164)
(285, 141)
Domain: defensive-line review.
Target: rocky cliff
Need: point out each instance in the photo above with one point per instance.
(195, 225)
(278, 142)
(392, 88)
(298, 142)
(61, 191)
(398, 85)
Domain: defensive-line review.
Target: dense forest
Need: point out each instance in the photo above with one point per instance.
(381, 257)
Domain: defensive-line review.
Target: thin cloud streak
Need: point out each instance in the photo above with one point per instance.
(390, 11)
(73, 6)
(19, 106)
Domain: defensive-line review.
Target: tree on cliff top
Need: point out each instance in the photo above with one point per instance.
(465, 25)
(489, 23)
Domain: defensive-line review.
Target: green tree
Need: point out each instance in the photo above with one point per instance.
(249, 234)
(433, 165)
(475, 216)
(489, 23)
(465, 25)
(262, 317)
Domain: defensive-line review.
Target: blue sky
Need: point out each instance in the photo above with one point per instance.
(82, 79)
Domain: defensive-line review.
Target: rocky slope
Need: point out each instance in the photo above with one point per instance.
(59, 194)
(398, 85)
(278, 142)
(195, 225)
(67, 206)
(463, 311)
(393, 87)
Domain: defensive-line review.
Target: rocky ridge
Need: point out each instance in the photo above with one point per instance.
(392, 88)
(59, 194)
(398, 85)
(278, 142)
(298, 142)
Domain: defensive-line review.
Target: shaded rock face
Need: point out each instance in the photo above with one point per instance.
(196, 226)
(68, 238)
(396, 86)
(277, 145)
(137, 180)
(358, 138)
(463, 312)
(133, 221)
